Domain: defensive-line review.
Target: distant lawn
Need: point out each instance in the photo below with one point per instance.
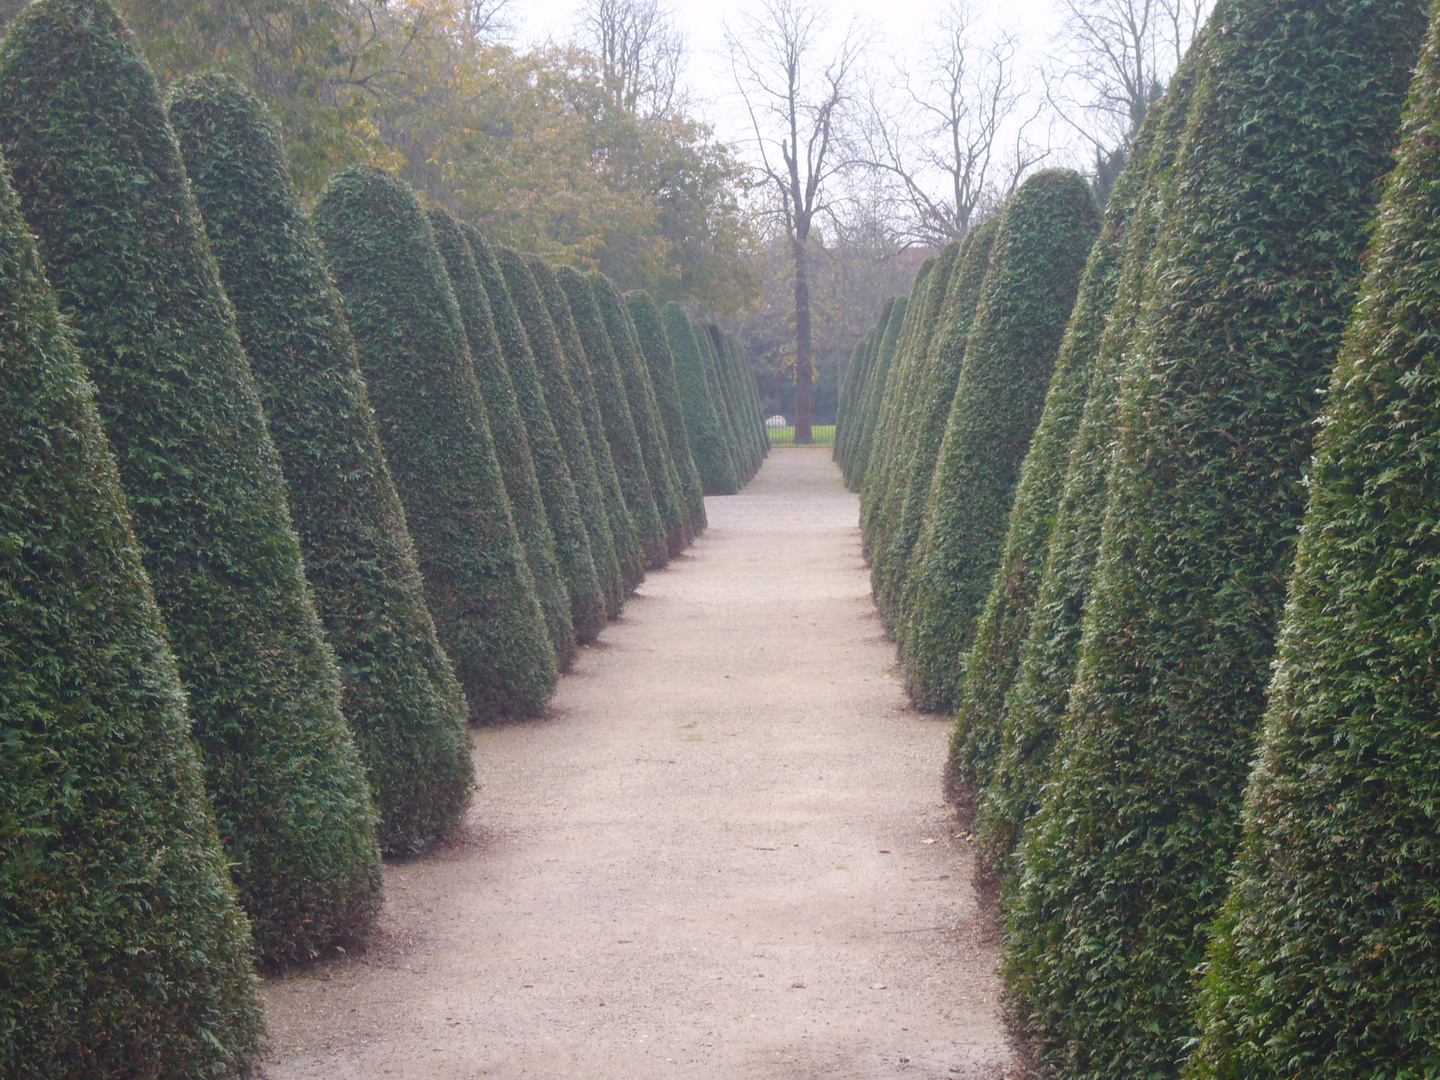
(822, 435)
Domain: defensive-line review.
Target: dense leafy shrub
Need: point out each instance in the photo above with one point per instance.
(936, 393)
(659, 358)
(625, 565)
(854, 376)
(493, 359)
(1002, 626)
(713, 459)
(1126, 860)
(1040, 691)
(855, 382)
(432, 419)
(1326, 960)
(1025, 302)
(123, 950)
(724, 410)
(101, 186)
(614, 407)
(640, 392)
(749, 395)
(398, 692)
(542, 388)
(875, 382)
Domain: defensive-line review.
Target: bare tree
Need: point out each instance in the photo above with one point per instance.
(797, 105)
(956, 144)
(1115, 59)
(641, 51)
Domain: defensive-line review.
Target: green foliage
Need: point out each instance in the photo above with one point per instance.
(856, 381)
(659, 358)
(640, 392)
(1039, 253)
(1126, 860)
(708, 446)
(936, 394)
(404, 705)
(1037, 700)
(549, 408)
(875, 383)
(493, 357)
(1326, 958)
(724, 409)
(432, 419)
(616, 423)
(625, 569)
(102, 188)
(1002, 626)
(854, 376)
(749, 393)
(123, 949)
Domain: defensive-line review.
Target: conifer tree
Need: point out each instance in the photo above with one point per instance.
(715, 386)
(640, 393)
(1326, 956)
(614, 408)
(544, 392)
(101, 186)
(626, 567)
(875, 383)
(412, 348)
(660, 359)
(1025, 302)
(865, 359)
(121, 940)
(749, 395)
(1038, 697)
(713, 459)
(493, 360)
(398, 692)
(937, 394)
(1128, 855)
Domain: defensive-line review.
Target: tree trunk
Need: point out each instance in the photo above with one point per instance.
(803, 436)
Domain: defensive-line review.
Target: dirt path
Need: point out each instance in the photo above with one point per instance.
(723, 855)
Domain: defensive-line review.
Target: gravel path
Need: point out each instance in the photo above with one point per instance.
(723, 854)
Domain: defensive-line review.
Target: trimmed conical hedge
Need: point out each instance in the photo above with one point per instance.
(101, 185)
(1037, 699)
(1127, 859)
(875, 384)
(120, 938)
(640, 392)
(749, 396)
(715, 384)
(1039, 253)
(856, 380)
(659, 358)
(614, 408)
(854, 376)
(403, 703)
(1326, 957)
(493, 359)
(936, 395)
(412, 348)
(708, 446)
(1003, 624)
(625, 566)
(544, 394)
(734, 397)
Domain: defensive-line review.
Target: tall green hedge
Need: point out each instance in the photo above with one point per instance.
(616, 421)
(936, 395)
(749, 394)
(625, 565)
(713, 459)
(102, 188)
(1326, 957)
(640, 392)
(1126, 860)
(432, 419)
(493, 358)
(123, 949)
(855, 383)
(1039, 253)
(1037, 699)
(883, 397)
(875, 384)
(660, 359)
(724, 410)
(544, 393)
(854, 376)
(404, 705)
(881, 496)
(1005, 620)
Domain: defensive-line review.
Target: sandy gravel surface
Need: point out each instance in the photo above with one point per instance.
(724, 853)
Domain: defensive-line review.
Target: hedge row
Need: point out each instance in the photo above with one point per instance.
(102, 188)
(1039, 252)
(123, 948)
(709, 446)
(1127, 859)
(398, 692)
